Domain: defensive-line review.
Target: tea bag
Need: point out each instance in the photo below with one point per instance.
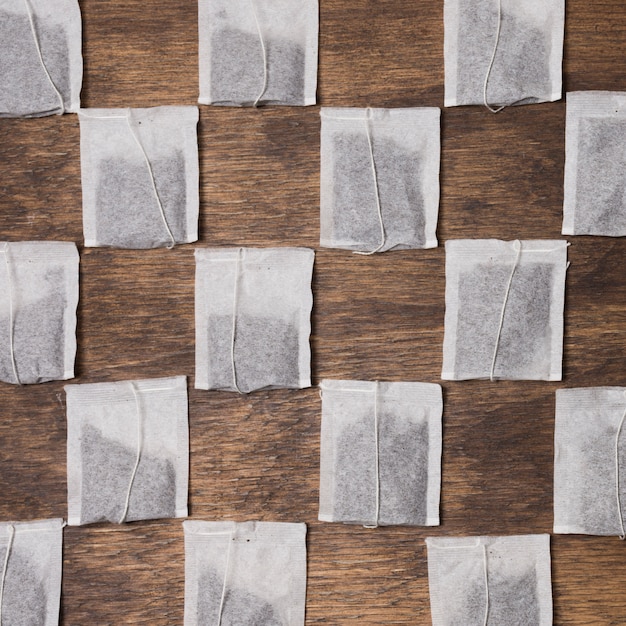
(139, 170)
(380, 457)
(38, 300)
(490, 581)
(503, 52)
(30, 572)
(258, 51)
(253, 318)
(379, 178)
(590, 461)
(504, 309)
(127, 450)
(251, 573)
(41, 63)
(595, 158)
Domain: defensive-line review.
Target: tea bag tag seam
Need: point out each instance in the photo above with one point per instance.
(518, 245)
(5, 567)
(383, 235)
(264, 51)
(377, 460)
(240, 252)
(139, 450)
(622, 534)
(31, 20)
(11, 316)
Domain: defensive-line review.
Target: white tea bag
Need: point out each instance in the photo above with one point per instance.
(258, 51)
(503, 52)
(490, 581)
(251, 573)
(38, 300)
(595, 158)
(379, 178)
(590, 461)
(41, 63)
(380, 455)
(139, 171)
(253, 318)
(31, 560)
(127, 450)
(504, 309)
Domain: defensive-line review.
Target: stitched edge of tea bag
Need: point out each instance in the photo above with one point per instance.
(7, 263)
(582, 105)
(50, 532)
(429, 395)
(468, 252)
(309, 9)
(97, 394)
(420, 121)
(198, 533)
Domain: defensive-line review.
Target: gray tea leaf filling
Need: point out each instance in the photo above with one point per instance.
(521, 68)
(240, 607)
(403, 472)
(398, 175)
(127, 211)
(600, 184)
(513, 600)
(237, 69)
(24, 600)
(107, 467)
(266, 352)
(25, 90)
(525, 341)
(38, 336)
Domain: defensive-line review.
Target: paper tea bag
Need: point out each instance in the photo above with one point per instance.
(41, 63)
(253, 318)
(595, 159)
(139, 170)
(503, 52)
(251, 573)
(590, 461)
(504, 309)
(379, 178)
(38, 300)
(127, 450)
(258, 51)
(490, 581)
(380, 453)
(30, 572)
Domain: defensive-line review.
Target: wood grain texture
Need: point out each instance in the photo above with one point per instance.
(380, 317)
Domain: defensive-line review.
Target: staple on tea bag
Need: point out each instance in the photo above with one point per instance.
(38, 300)
(504, 309)
(258, 52)
(379, 179)
(253, 310)
(594, 200)
(40, 57)
(590, 461)
(244, 573)
(139, 170)
(110, 479)
(481, 581)
(380, 456)
(30, 579)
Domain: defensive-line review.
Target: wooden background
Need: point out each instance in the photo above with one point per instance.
(380, 317)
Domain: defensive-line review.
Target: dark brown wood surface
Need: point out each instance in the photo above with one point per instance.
(257, 457)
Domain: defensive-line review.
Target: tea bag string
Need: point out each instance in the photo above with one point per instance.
(493, 58)
(5, 567)
(31, 20)
(264, 50)
(518, 246)
(377, 461)
(383, 235)
(139, 450)
(11, 314)
(240, 252)
(231, 538)
(486, 570)
(622, 534)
